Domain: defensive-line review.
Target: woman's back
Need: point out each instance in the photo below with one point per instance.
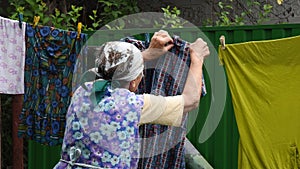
(103, 134)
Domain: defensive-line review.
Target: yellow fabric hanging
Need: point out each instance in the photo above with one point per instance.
(264, 80)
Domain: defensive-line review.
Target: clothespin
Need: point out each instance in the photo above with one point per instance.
(279, 2)
(20, 20)
(36, 20)
(79, 26)
(222, 41)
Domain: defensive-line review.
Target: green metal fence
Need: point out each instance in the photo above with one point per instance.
(221, 148)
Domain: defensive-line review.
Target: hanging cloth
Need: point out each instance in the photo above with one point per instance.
(264, 81)
(163, 146)
(49, 65)
(12, 56)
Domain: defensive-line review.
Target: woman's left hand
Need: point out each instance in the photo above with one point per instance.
(161, 42)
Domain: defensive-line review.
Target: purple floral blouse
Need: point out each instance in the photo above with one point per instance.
(104, 134)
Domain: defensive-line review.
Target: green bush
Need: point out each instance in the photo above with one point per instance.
(93, 14)
(237, 12)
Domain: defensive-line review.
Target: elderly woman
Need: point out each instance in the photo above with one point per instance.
(104, 114)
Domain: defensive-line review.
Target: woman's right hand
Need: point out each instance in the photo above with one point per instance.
(199, 50)
(160, 43)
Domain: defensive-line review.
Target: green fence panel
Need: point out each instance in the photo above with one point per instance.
(221, 148)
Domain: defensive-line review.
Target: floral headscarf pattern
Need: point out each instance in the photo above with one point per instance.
(120, 60)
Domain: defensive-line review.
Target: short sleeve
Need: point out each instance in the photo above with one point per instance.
(162, 110)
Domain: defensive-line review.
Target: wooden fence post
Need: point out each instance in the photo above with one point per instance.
(17, 160)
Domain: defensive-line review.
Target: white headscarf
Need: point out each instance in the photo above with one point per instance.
(122, 59)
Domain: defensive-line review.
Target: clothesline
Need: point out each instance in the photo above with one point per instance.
(36, 20)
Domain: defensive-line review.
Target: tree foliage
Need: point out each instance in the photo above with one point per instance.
(240, 12)
(66, 14)
(95, 14)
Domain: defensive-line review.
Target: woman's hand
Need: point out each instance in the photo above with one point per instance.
(199, 51)
(160, 43)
